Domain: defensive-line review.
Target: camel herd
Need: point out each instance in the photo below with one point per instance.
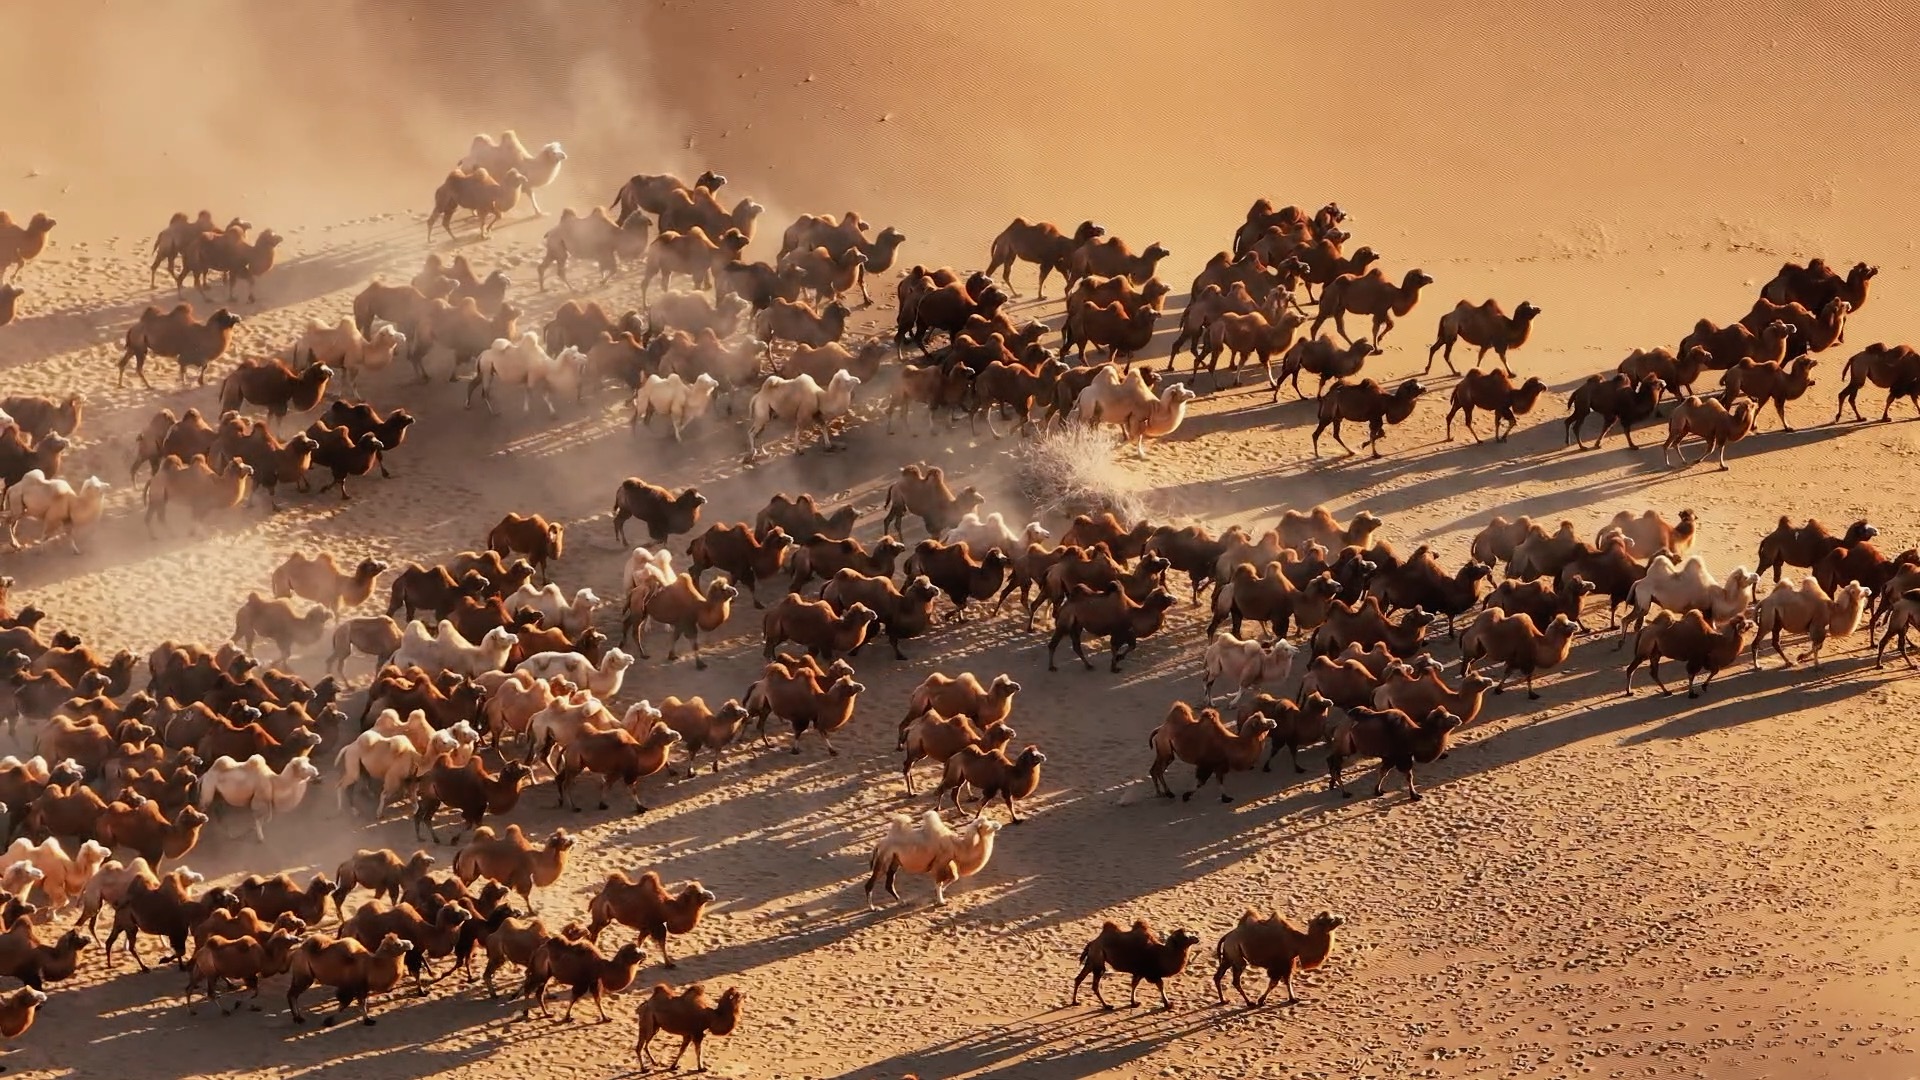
(490, 679)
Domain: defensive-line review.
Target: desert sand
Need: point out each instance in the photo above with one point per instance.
(1594, 886)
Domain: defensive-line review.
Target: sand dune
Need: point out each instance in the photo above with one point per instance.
(1594, 885)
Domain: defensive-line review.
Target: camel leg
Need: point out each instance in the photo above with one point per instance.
(1341, 441)
(1273, 980)
(1240, 988)
(1817, 640)
(1785, 661)
(1653, 668)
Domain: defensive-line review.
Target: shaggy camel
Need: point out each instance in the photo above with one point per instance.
(690, 1015)
(1616, 398)
(1689, 638)
(1372, 295)
(1276, 945)
(929, 846)
(1321, 356)
(1249, 335)
(176, 334)
(1893, 368)
(1770, 382)
(1816, 285)
(650, 192)
(1813, 331)
(1807, 609)
(1365, 400)
(1040, 243)
(490, 199)
(1493, 391)
(229, 255)
(1711, 421)
(1678, 373)
(507, 155)
(21, 245)
(1109, 256)
(1726, 345)
(1486, 326)
(172, 241)
(1206, 303)
(1137, 952)
(1648, 534)
(1131, 405)
(594, 236)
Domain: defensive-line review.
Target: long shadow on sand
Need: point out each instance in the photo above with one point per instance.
(1100, 1041)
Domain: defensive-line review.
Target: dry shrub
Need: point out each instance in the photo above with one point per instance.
(1076, 470)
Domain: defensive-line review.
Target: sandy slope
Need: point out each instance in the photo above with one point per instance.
(1594, 886)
